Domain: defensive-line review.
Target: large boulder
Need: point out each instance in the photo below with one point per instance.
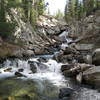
(16, 89)
(75, 69)
(96, 57)
(92, 76)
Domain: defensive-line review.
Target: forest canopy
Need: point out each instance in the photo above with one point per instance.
(77, 9)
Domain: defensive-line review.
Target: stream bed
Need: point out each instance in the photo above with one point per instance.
(18, 81)
(40, 78)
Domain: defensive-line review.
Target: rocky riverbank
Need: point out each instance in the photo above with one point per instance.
(64, 55)
(29, 42)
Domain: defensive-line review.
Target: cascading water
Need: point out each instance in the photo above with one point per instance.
(47, 77)
(49, 70)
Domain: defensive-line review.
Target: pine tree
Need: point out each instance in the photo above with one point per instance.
(76, 9)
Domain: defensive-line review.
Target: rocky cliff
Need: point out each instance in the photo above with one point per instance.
(32, 40)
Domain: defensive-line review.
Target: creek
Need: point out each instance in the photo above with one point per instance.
(40, 78)
(37, 78)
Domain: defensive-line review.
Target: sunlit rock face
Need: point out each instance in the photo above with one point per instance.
(36, 39)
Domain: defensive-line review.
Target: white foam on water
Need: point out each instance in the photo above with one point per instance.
(63, 46)
(51, 73)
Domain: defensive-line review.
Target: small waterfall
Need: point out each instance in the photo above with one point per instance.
(49, 70)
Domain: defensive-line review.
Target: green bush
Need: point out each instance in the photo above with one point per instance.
(6, 29)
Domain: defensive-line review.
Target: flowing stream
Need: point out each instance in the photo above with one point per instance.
(43, 73)
(39, 78)
(47, 77)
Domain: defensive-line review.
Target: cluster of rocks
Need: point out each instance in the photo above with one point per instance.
(81, 63)
(38, 39)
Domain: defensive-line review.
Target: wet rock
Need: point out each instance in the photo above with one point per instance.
(65, 92)
(29, 62)
(42, 59)
(37, 65)
(8, 70)
(72, 72)
(20, 70)
(66, 67)
(92, 76)
(18, 74)
(69, 73)
(96, 57)
(33, 68)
